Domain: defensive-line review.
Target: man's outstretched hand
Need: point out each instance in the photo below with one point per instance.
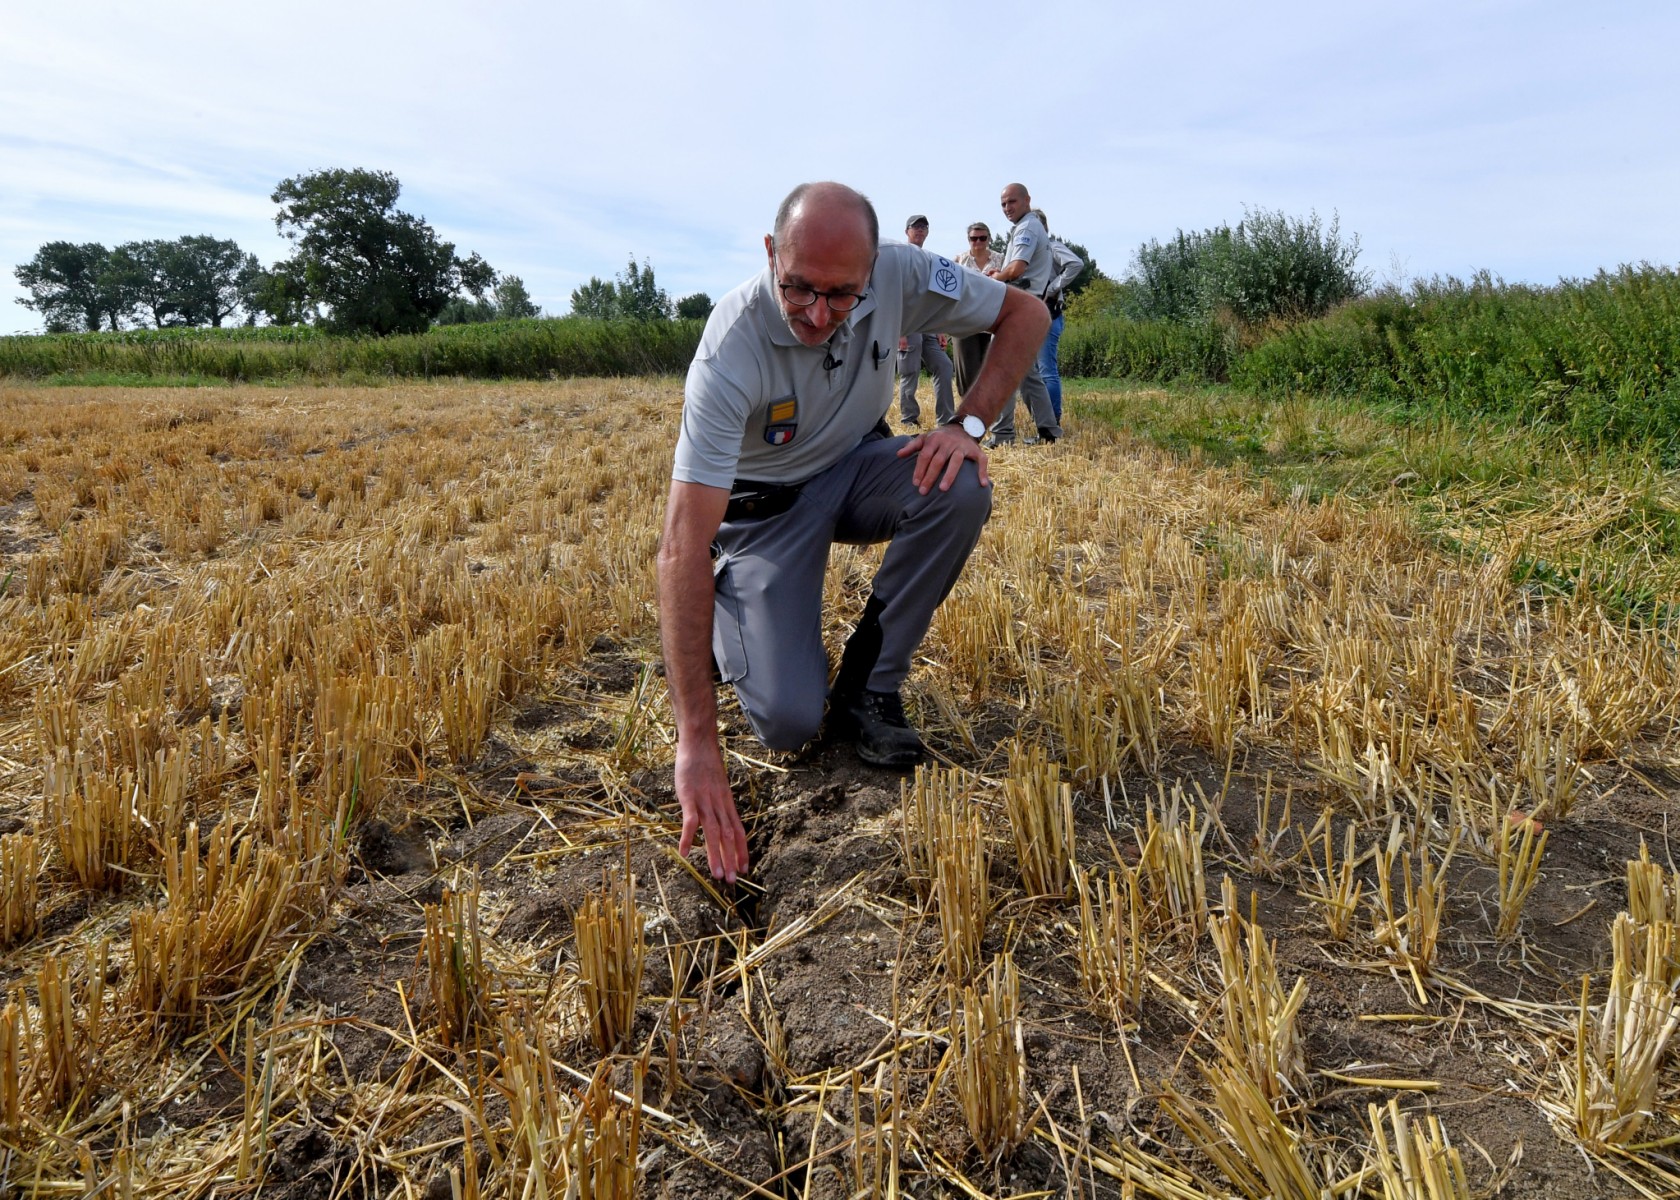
(708, 807)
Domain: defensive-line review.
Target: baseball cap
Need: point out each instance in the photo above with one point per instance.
(916, 219)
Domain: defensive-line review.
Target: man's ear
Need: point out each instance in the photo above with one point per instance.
(769, 245)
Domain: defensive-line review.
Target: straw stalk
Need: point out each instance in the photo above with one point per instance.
(1518, 856)
(20, 887)
(1423, 1165)
(1338, 889)
(460, 984)
(611, 952)
(1040, 808)
(1113, 956)
(991, 1071)
(1258, 1034)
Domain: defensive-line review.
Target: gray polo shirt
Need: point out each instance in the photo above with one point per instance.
(760, 405)
(1028, 240)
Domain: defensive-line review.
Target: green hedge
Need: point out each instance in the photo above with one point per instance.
(1155, 351)
(1598, 358)
(535, 349)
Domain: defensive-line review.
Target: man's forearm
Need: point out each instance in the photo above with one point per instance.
(685, 625)
(1016, 338)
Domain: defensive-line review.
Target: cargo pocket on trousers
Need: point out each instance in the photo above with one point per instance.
(729, 644)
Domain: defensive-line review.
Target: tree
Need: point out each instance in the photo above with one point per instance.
(513, 302)
(209, 278)
(639, 297)
(140, 272)
(1269, 266)
(372, 267)
(67, 287)
(277, 293)
(463, 310)
(596, 300)
(635, 296)
(1086, 277)
(694, 308)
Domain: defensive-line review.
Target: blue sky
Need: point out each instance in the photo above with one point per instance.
(558, 139)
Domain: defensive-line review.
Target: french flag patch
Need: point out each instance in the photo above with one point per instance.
(779, 435)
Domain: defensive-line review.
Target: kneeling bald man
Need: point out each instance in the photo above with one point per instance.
(783, 452)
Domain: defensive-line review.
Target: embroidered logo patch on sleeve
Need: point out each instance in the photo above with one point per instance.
(784, 421)
(945, 279)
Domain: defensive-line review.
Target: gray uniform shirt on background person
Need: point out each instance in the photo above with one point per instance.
(1028, 240)
(1066, 266)
(759, 405)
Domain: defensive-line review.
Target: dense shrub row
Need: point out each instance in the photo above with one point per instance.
(1597, 357)
(533, 349)
(1154, 351)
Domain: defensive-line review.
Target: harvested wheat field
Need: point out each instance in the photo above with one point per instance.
(1270, 852)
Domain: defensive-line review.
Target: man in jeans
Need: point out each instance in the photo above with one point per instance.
(1067, 265)
(782, 453)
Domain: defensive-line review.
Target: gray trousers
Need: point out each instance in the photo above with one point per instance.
(923, 349)
(1037, 397)
(768, 575)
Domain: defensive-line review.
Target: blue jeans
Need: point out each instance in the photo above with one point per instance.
(1047, 367)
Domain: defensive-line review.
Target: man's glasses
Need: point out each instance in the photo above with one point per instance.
(800, 296)
(977, 237)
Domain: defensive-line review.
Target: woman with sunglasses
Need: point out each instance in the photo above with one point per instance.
(969, 351)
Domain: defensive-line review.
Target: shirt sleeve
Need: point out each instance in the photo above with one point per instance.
(714, 419)
(942, 297)
(1068, 266)
(1022, 243)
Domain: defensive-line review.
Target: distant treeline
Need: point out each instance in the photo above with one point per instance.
(531, 349)
(359, 265)
(1598, 358)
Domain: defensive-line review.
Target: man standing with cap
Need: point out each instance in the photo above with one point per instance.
(783, 452)
(1027, 264)
(925, 349)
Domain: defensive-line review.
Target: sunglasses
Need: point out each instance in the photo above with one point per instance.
(976, 237)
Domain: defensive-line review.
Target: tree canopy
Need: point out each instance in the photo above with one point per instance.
(509, 302)
(370, 267)
(633, 296)
(194, 280)
(68, 285)
(695, 308)
(1268, 265)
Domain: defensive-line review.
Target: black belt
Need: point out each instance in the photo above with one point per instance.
(752, 500)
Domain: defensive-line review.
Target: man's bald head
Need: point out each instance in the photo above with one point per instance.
(833, 206)
(1016, 202)
(825, 242)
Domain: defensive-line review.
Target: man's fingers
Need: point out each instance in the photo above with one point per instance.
(728, 845)
(726, 842)
(927, 469)
(714, 856)
(685, 843)
(953, 468)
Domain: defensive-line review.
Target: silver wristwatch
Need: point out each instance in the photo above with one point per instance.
(974, 426)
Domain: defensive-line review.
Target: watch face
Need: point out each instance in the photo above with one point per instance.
(973, 426)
